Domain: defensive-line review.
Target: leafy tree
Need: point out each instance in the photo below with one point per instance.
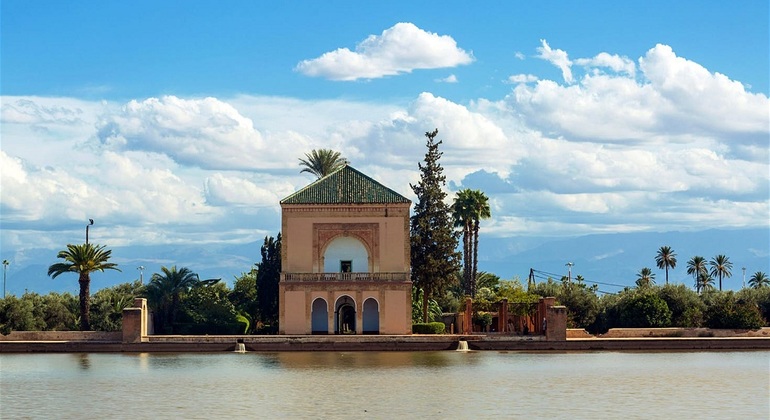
(581, 302)
(206, 309)
(19, 315)
(697, 267)
(268, 276)
(433, 239)
(725, 311)
(720, 267)
(645, 278)
(643, 309)
(322, 162)
(244, 296)
(759, 280)
(83, 259)
(164, 293)
(470, 206)
(686, 306)
(548, 288)
(665, 259)
(108, 304)
(60, 311)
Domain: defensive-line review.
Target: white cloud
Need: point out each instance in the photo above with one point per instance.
(399, 49)
(522, 78)
(449, 79)
(558, 58)
(614, 62)
(615, 150)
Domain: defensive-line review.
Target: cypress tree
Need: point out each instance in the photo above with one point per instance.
(434, 254)
(268, 276)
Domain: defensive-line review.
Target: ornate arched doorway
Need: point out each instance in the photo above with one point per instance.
(371, 316)
(345, 315)
(319, 323)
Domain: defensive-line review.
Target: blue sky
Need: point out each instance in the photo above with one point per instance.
(180, 123)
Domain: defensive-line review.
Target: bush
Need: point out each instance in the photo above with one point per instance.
(686, 306)
(726, 311)
(428, 328)
(644, 310)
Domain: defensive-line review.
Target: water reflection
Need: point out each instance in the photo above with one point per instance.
(364, 360)
(83, 361)
(386, 385)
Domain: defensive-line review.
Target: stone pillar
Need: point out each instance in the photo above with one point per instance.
(135, 322)
(502, 316)
(556, 323)
(468, 318)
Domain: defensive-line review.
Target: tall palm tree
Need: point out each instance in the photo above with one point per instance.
(720, 267)
(697, 266)
(463, 218)
(759, 280)
(645, 277)
(469, 208)
(322, 162)
(481, 211)
(665, 259)
(83, 259)
(164, 292)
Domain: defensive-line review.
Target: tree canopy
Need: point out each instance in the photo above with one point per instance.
(83, 259)
(432, 236)
(322, 162)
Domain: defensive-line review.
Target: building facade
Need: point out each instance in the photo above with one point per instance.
(345, 258)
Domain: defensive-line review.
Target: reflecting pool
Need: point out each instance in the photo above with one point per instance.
(442, 385)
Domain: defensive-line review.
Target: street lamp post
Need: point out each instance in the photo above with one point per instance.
(5, 267)
(90, 223)
(569, 271)
(141, 272)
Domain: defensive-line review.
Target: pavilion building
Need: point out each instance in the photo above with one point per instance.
(345, 258)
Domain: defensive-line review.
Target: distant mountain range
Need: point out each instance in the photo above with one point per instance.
(611, 260)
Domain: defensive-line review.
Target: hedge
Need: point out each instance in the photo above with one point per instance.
(429, 328)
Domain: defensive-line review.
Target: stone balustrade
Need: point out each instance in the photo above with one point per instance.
(394, 277)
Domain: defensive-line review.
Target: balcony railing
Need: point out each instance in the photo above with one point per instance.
(344, 277)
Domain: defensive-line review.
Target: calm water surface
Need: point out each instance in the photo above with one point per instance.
(445, 385)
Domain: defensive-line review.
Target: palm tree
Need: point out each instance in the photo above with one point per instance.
(645, 277)
(759, 280)
(322, 162)
(706, 281)
(469, 208)
(463, 218)
(720, 267)
(697, 266)
(666, 258)
(165, 290)
(83, 259)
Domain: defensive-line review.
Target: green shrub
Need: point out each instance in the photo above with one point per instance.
(428, 328)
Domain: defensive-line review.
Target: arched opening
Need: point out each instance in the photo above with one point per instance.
(345, 316)
(319, 323)
(346, 254)
(371, 316)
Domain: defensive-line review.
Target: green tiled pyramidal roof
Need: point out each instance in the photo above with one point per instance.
(345, 186)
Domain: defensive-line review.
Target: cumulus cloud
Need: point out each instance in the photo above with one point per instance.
(614, 62)
(659, 144)
(677, 101)
(399, 49)
(558, 58)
